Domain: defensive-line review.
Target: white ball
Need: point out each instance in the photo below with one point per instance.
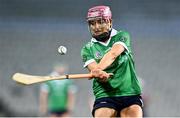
(62, 50)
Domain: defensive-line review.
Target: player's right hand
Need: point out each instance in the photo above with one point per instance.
(101, 75)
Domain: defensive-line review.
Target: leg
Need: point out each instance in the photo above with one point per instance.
(65, 115)
(105, 112)
(131, 111)
(53, 116)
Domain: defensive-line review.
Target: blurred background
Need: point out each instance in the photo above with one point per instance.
(32, 30)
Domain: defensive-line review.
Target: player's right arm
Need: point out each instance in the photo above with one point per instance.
(91, 64)
(107, 60)
(110, 56)
(102, 75)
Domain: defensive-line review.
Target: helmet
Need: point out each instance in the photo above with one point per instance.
(103, 12)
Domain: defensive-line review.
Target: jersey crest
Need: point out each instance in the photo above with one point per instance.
(98, 55)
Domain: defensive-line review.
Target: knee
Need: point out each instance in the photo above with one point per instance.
(105, 112)
(132, 111)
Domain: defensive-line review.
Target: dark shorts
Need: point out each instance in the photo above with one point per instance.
(58, 112)
(117, 103)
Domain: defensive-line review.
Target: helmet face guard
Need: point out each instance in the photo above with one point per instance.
(99, 26)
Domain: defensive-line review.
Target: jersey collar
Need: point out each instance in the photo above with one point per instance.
(113, 32)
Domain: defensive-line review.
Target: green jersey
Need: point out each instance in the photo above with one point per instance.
(124, 82)
(57, 93)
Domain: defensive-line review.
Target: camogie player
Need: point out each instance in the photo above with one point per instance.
(57, 96)
(109, 51)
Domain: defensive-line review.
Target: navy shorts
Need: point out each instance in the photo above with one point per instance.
(117, 103)
(58, 112)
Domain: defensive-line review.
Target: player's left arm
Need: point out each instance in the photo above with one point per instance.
(110, 56)
(43, 100)
(71, 96)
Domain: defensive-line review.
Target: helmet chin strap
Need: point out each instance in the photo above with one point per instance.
(104, 36)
